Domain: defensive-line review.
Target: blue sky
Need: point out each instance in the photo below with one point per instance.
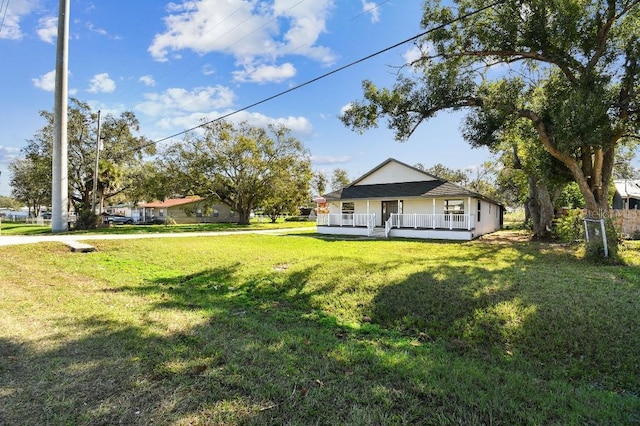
(174, 63)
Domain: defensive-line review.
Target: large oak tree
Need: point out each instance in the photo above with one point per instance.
(569, 69)
(240, 165)
(120, 157)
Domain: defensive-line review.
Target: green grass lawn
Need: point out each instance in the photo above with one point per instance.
(299, 329)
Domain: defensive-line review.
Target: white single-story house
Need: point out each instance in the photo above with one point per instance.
(397, 200)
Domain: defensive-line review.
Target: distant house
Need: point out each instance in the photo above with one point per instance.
(187, 210)
(627, 195)
(626, 207)
(397, 200)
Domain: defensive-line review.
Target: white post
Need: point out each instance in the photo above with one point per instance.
(604, 238)
(433, 220)
(469, 216)
(60, 166)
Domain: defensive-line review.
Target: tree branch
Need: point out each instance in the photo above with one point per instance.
(517, 56)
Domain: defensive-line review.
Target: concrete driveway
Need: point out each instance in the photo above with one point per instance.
(11, 240)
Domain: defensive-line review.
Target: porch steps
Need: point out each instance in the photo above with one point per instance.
(377, 233)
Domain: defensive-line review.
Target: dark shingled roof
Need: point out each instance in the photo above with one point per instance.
(430, 188)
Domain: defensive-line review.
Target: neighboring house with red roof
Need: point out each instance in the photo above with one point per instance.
(187, 210)
(397, 200)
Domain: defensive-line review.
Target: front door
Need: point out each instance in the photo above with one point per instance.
(388, 207)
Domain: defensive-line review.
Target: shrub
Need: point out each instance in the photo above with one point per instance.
(296, 219)
(595, 248)
(569, 227)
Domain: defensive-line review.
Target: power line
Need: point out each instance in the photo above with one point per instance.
(371, 9)
(327, 74)
(4, 14)
(183, 71)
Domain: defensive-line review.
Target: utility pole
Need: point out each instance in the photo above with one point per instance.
(95, 170)
(60, 176)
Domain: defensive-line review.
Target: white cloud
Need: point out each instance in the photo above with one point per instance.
(15, 11)
(208, 69)
(346, 108)
(91, 27)
(147, 80)
(47, 29)
(265, 73)
(106, 109)
(46, 82)
(101, 83)
(372, 9)
(179, 101)
(330, 159)
(253, 32)
(412, 55)
(8, 154)
(299, 125)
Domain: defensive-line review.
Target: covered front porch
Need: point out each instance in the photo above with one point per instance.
(450, 226)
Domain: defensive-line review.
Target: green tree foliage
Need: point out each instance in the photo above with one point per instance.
(570, 197)
(339, 179)
(10, 203)
(31, 181)
(120, 158)
(443, 172)
(240, 165)
(289, 193)
(531, 175)
(319, 182)
(570, 69)
(623, 166)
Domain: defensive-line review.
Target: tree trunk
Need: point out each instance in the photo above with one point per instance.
(539, 207)
(592, 176)
(244, 215)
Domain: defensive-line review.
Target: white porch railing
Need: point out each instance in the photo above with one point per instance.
(430, 221)
(347, 219)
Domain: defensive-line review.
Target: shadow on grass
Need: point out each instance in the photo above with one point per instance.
(447, 345)
(549, 314)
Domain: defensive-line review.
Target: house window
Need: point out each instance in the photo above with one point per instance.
(216, 213)
(453, 207)
(348, 208)
(199, 213)
(161, 213)
(479, 209)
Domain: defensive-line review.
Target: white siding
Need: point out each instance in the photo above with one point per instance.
(393, 172)
(489, 217)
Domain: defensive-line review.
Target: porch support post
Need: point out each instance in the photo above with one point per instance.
(340, 214)
(433, 220)
(469, 216)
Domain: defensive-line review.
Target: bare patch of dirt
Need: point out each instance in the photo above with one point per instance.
(506, 237)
